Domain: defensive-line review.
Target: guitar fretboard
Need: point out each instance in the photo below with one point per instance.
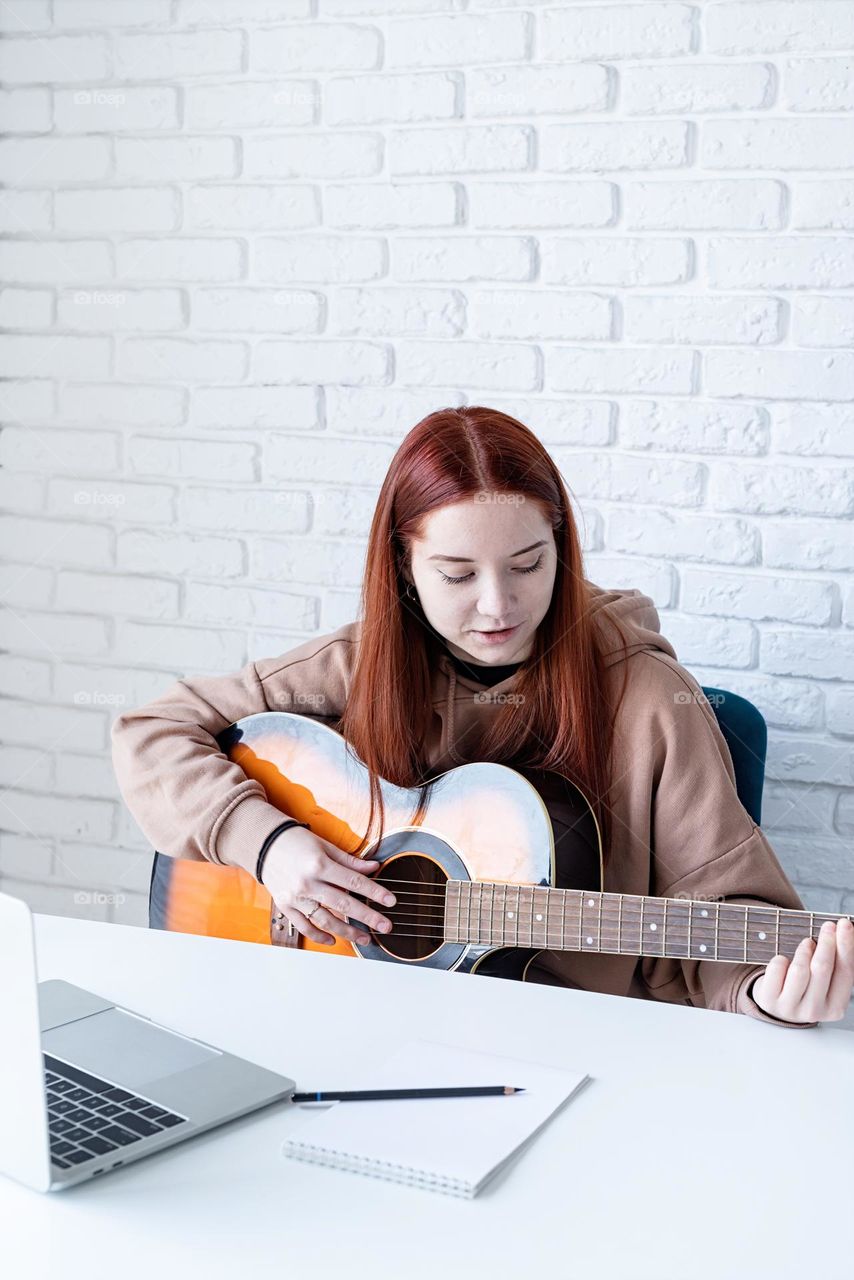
(509, 915)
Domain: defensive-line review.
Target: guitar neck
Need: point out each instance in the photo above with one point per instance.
(520, 915)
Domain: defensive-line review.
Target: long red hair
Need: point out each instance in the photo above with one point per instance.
(564, 720)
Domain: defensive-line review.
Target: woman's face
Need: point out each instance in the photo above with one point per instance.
(505, 580)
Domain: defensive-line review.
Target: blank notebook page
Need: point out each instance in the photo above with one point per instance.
(453, 1145)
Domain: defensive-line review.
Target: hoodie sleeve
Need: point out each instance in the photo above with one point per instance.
(705, 845)
(185, 794)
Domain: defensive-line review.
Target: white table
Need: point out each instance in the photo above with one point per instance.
(707, 1145)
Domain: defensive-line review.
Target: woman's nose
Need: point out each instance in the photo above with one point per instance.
(495, 601)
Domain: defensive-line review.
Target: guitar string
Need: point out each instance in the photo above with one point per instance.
(630, 901)
(674, 928)
(700, 934)
(622, 937)
(634, 917)
(612, 945)
(522, 942)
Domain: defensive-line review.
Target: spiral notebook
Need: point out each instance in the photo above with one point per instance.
(452, 1145)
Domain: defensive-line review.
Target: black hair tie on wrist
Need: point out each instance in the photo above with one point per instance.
(265, 847)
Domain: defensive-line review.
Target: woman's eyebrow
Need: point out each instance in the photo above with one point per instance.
(468, 559)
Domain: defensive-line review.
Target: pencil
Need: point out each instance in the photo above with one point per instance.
(371, 1095)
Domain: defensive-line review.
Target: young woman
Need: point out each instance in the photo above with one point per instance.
(481, 639)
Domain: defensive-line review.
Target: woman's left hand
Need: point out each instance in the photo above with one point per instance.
(816, 984)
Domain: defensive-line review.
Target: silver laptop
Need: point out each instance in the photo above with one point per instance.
(88, 1086)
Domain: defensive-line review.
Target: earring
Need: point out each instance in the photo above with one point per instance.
(409, 593)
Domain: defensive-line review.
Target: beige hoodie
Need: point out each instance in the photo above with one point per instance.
(679, 828)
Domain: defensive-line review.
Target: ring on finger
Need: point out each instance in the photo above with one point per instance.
(280, 915)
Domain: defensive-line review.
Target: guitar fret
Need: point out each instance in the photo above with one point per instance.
(548, 932)
(620, 925)
(591, 902)
(762, 918)
(704, 933)
(717, 927)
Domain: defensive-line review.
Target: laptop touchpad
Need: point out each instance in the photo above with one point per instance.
(121, 1046)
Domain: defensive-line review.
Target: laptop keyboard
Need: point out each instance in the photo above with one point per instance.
(89, 1117)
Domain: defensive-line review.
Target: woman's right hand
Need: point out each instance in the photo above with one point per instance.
(301, 868)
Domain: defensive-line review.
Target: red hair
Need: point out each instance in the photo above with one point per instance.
(563, 721)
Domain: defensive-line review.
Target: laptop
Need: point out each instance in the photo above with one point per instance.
(88, 1086)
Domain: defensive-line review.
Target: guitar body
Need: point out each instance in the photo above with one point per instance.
(479, 822)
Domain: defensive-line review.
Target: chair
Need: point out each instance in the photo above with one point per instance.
(746, 733)
(741, 724)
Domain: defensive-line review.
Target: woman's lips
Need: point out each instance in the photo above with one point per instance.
(497, 637)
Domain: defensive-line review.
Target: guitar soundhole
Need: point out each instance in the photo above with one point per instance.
(417, 918)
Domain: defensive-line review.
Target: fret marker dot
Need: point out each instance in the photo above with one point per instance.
(704, 912)
(762, 936)
(539, 917)
(653, 926)
(590, 942)
(702, 946)
(590, 902)
(509, 915)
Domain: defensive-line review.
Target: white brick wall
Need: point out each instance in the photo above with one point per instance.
(248, 245)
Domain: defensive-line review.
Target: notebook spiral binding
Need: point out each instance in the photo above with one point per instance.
(387, 1169)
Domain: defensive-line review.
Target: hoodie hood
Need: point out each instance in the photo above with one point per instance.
(638, 617)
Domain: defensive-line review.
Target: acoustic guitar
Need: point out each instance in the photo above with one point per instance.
(489, 865)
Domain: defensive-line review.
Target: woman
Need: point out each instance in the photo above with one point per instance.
(481, 639)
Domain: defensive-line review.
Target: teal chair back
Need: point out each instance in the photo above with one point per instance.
(746, 733)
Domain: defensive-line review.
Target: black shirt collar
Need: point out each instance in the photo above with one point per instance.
(486, 675)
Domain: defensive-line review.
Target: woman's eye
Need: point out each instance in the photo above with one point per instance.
(530, 569)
